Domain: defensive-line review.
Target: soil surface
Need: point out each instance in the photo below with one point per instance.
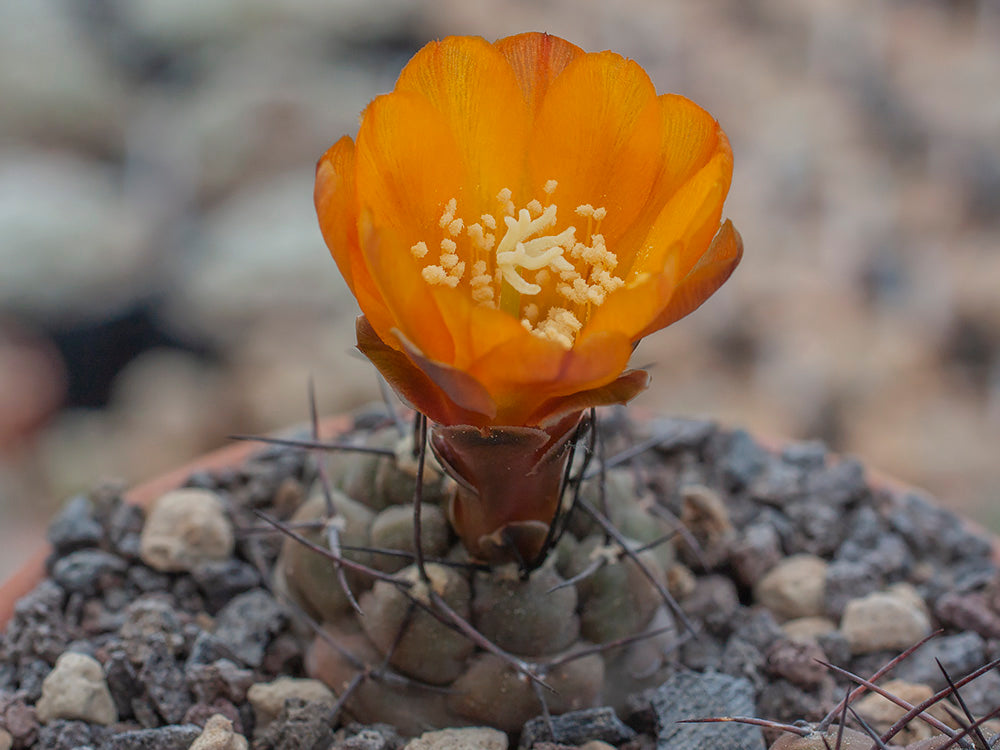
(786, 559)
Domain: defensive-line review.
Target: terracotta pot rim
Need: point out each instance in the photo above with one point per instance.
(32, 571)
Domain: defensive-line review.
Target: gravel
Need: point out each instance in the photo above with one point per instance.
(791, 538)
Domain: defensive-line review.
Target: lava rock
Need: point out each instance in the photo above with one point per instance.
(268, 699)
(743, 460)
(221, 580)
(968, 612)
(846, 580)
(576, 728)
(65, 735)
(75, 527)
(88, 571)
(163, 679)
(172, 737)
(958, 654)
(247, 624)
(305, 725)
(689, 695)
(218, 734)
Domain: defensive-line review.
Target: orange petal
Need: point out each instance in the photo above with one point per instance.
(598, 133)
(336, 207)
(690, 138)
(701, 282)
(471, 84)
(407, 168)
(619, 391)
(524, 373)
(439, 392)
(537, 59)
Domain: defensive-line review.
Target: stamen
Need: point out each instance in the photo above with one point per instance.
(550, 187)
(433, 275)
(489, 221)
(535, 207)
(419, 250)
(448, 246)
(449, 213)
(455, 227)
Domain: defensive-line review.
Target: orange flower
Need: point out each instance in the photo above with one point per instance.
(514, 217)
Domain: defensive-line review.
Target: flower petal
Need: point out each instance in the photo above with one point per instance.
(701, 282)
(537, 60)
(336, 206)
(402, 188)
(619, 391)
(471, 84)
(445, 395)
(598, 133)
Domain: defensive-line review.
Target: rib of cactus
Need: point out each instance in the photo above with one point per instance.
(563, 634)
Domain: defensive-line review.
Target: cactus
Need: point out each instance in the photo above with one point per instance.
(440, 639)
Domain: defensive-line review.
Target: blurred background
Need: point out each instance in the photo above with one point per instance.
(163, 282)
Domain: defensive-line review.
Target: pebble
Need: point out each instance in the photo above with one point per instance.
(65, 735)
(88, 571)
(850, 739)
(268, 698)
(743, 460)
(577, 727)
(959, 654)
(163, 679)
(218, 734)
(299, 725)
(76, 689)
(806, 629)
(221, 580)
(757, 550)
(374, 737)
(184, 529)
(247, 624)
(968, 612)
(882, 713)
(840, 484)
(75, 527)
(893, 620)
(690, 695)
(846, 580)
(172, 737)
(798, 662)
(794, 587)
(466, 738)
(6, 739)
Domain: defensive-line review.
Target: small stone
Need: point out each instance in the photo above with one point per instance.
(743, 460)
(374, 737)
(968, 612)
(6, 739)
(808, 629)
(757, 550)
(221, 580)
(76, 689)
(798, 662)
(305, 725)
(75, 527)
(794, 587)
(577, 727)
(268, 698)
(184, 529)
(88, 571)
(714, 602)
(21, 721)
(466, 738)
(65, 735)
(163, 679)
(218, 734)
(173, 737)
(247, 624)
(838, 485)
(893, 620)
(690, 695)
(743, 659)
(846, 580)
(882, 713)
(958, 654)
(145, 618)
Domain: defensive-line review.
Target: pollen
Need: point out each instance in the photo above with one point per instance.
(538, 271)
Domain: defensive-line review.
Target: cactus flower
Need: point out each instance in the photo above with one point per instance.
(513, 218)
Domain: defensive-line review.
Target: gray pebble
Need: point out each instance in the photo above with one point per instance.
(743, 460)
(65, 735)
(247, 624)
(959, 654)
(846, 580)
(689, 695)
(757, 550)
(839, 485)
(809, 454)
(87, 571)
(75, 527)
(576, 728)
(743, 659)
(681, 434)
(163, 679)
(222, 580)
(173, 737)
